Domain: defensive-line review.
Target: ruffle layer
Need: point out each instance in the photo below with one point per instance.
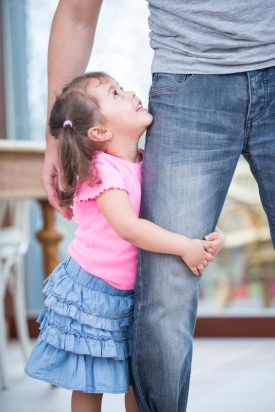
(78, 372)
(87, 306)
(77, 318)
(67, 334)
(72, 326)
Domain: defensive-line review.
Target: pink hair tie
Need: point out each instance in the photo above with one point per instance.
(68, 122)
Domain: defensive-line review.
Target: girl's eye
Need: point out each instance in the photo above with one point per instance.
(116, 94)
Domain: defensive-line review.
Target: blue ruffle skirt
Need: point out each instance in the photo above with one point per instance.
(86, 333)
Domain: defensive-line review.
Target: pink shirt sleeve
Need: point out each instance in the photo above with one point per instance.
(110, 176)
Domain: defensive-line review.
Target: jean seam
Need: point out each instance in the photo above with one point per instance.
(246, 135)
(265, 98)
(137, 381)
(250, 98)
(188, 383)
(173, 88)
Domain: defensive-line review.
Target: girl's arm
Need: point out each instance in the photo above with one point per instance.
(120, 214)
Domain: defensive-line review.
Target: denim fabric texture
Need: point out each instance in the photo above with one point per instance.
(86, 333)
(202, 124)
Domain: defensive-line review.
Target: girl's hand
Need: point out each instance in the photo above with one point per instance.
(215, 241)
(196, 256)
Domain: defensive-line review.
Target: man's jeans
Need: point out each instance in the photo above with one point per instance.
(202, 124)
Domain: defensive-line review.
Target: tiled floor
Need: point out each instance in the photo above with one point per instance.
(229, 375)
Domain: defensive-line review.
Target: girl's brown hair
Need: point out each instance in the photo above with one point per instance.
(75, 148)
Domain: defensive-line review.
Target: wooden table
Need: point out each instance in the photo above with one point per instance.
(21, 165)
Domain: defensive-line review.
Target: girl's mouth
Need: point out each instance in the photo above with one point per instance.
(139, 107)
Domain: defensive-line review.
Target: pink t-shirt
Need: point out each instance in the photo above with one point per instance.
(97, 248)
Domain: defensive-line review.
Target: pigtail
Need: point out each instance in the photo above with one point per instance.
(73, 113)
(69, 157)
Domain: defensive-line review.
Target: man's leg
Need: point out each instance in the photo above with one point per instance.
(259, 149)
(191, 153)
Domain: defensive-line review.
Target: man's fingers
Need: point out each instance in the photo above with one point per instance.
(52, 177)
(50, 189)
(68, 213)
(60, 184)
(49, 183)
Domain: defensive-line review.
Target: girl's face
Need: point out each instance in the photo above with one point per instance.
(122, 110)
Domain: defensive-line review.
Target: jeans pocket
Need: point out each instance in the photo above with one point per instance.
(166, 82)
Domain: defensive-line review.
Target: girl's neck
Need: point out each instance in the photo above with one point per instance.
(129, 153)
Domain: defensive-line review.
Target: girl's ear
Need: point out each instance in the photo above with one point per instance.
(99, 134)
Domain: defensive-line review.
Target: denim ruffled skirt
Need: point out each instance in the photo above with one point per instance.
(85, 333)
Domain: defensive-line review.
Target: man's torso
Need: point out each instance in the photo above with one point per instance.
(211, 36)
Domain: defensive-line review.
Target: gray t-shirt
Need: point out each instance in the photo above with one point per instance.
(212, 36)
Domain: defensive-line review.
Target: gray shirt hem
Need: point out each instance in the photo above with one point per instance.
(198, 68)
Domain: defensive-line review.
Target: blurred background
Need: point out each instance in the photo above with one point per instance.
(237, 297)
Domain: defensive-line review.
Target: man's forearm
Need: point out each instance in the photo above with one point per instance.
(71, 40)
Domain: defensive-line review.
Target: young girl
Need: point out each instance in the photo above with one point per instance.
(86, 323)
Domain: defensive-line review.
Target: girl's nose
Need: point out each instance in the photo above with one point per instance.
(131, 93)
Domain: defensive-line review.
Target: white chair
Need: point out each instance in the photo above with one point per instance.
(14, 241)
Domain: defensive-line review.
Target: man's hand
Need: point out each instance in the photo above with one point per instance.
(51, 177)
(215, 241)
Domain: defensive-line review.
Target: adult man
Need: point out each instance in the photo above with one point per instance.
(212, 98)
